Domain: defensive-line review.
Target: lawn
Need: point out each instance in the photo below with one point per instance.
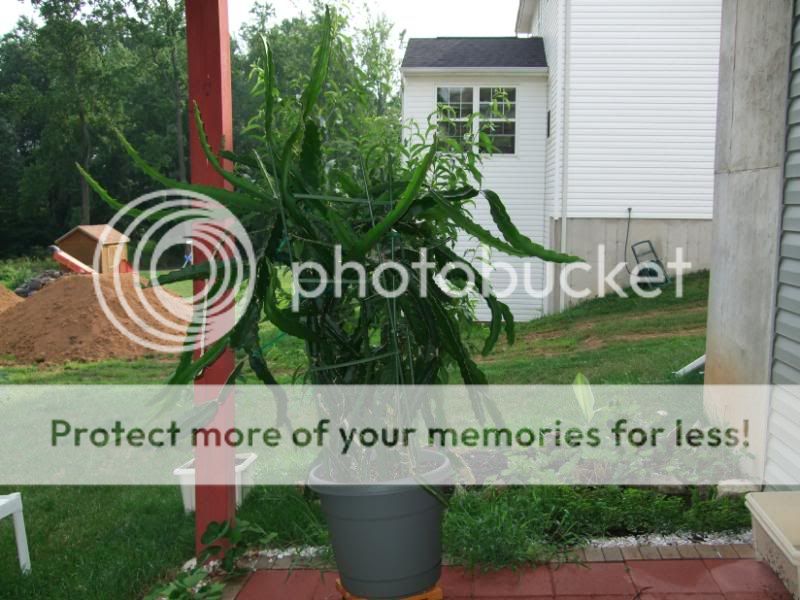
(610, 340)
(116, 542)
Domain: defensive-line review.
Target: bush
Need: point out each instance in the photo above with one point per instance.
(16, 271)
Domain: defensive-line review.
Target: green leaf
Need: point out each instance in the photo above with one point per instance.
(215, 531)
(311, 154)
(523, 244)
(508, 317)
(283, 319)
(232, 200)
(585, 397)
(483, 235)
(187, 373)
(405, 201)
(268, 67)
(451, 339)
(319, 73)
(232, 178)
(499, 311)
(197, 417)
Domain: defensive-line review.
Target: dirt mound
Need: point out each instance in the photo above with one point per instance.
(65, 321)
(7, 299)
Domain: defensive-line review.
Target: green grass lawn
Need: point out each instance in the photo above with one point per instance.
(116, 542)
(610, 340)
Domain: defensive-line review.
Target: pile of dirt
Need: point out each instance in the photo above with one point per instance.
(7, 299)
(65, 321)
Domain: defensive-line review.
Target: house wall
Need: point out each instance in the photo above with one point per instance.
(642, 107)
(601, 243)
(518, 178)
(748, 190)
(633, 98)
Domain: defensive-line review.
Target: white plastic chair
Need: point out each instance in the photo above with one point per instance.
(12, 505)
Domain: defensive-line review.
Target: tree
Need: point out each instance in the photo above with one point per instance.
(90, 67)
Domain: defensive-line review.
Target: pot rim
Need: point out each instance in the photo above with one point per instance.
(435, 477)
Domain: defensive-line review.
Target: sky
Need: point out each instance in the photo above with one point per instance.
(420, 18)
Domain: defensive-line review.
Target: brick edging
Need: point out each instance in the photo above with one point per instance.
(675, 552)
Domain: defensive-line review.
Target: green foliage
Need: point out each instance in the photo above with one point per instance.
(392, 203)
(86, 67)
(228, 542)
(189, 585)
(16, 271)
(502, 527)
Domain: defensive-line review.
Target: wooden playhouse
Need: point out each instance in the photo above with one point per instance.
(82, 242)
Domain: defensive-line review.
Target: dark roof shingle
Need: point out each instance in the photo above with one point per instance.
(474, 52)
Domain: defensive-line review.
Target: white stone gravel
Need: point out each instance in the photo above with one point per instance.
(679, 539)
(305, 552)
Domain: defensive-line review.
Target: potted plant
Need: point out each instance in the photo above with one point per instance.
(394, 202)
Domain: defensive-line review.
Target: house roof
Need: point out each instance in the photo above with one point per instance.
(475, 52)
(96, 232)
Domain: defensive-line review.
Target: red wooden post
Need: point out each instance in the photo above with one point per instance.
(208, 44)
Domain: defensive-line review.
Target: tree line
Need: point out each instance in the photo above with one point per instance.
(85, 68)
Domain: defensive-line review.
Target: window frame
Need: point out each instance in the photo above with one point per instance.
(478, 121)
(459, 119)
(504, 119)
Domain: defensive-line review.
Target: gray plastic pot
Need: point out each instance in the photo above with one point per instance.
(387, 538)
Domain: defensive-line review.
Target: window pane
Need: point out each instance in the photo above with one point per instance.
(504, 144)
(498, 102)
(498, 110)
(504, 128)
(508, 94)
(452, 133)
(454, 102)
(453, 129)
(502, 136)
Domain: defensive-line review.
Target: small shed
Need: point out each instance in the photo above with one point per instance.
(82, 241)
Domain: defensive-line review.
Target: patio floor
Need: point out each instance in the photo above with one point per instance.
(717, 579)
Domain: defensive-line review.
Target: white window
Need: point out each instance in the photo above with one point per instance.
(454, 106)
(496, 110)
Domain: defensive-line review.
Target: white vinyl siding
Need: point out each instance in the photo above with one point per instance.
(551, 20)
(642, 107)
(782, 466)
(516, 178)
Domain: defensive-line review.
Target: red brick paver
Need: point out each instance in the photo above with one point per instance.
(686, 579)
(599, 578)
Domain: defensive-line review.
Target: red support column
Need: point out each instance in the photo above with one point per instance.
(208, 44)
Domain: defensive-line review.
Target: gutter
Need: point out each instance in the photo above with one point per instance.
(475, 70)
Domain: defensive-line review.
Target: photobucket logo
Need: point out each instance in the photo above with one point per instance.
(504, 279)
(173, 224)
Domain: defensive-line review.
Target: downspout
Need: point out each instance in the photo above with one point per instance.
(565, 143)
